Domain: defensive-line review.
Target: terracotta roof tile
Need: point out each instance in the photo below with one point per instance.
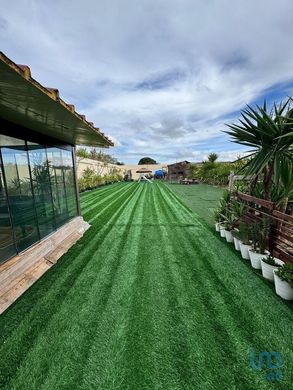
(25, 71)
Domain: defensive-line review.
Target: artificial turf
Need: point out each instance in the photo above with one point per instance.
(200, 198)
(149, 298)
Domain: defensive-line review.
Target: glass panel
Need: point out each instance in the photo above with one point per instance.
(41, 193)
(41, 188)
(57, 185)
(7, 247)
(19, 191)
(69, 182)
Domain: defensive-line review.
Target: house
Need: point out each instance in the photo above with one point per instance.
(39, 202)
(178, 170)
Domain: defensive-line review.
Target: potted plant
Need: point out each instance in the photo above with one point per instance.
(218, 219)
(238, 209)
(283, 277)
(244, 240)
(259, 236)
(220, 211)
(269, 264)
(229, 224)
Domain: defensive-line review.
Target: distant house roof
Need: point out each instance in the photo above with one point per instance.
(144, 170)
(26, 102)
(179, 162)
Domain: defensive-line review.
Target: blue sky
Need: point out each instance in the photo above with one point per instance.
(161, 78)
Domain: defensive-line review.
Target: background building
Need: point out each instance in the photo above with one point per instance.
(178, 170)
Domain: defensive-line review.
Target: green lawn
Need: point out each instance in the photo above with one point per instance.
(200, 198)
(149, 298)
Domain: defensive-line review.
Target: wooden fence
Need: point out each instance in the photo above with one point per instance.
(280, 243)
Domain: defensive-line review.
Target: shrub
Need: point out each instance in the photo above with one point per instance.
(87, 180)
(213, 172)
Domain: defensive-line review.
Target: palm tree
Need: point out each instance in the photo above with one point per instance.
(270, 134)
(212, 157)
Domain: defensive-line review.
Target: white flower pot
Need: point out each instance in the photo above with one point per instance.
(283, 288)
(222, 231)
(245, 250)
(255, 258)
(268, 270)
(228, 235)
(217, 226)
(236, 243)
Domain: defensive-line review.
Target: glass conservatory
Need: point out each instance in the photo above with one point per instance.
(38, 134)
(37, 192)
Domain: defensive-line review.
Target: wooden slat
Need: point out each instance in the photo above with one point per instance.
(283, 235)
(284, 256)
(265, 203)
(283, 216)
(256, 218)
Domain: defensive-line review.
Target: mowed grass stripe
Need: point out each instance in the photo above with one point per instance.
(149, 298)
(203, 323)
(90, 295)
(104, 198)
(228, 293)
(53, 287)
(197, 320)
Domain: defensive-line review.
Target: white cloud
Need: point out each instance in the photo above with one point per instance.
(161, 77)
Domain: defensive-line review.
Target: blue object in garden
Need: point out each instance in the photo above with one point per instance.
(159, 173)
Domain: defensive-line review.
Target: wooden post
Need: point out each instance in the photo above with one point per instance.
(231, 181)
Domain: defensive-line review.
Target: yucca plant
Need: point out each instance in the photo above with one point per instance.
(238, 209)
(281, 191)
(229, 220)
(270, 134)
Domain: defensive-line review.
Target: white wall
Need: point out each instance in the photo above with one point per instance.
(105, 168)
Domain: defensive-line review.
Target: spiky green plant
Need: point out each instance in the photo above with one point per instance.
(285, 272)
(212, 157)
(270, 135)
(270, 260)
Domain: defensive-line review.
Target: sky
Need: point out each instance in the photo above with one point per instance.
(159, 77)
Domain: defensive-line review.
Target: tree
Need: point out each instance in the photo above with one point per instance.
(82, 152)
(271, 137)
(146, 160)
(97, 155)
(212, 157)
